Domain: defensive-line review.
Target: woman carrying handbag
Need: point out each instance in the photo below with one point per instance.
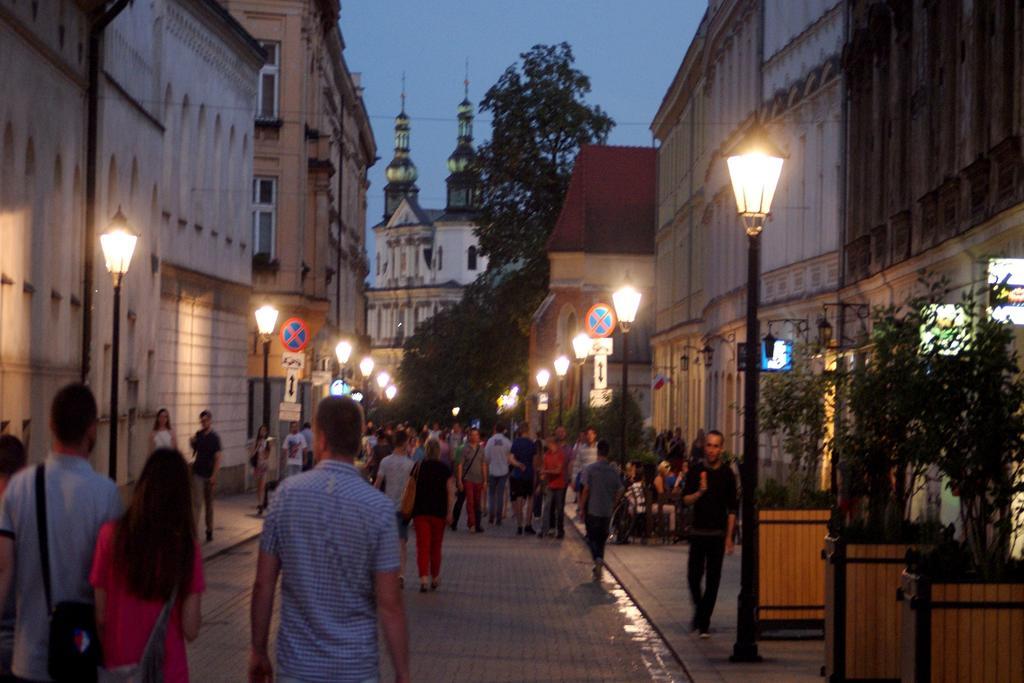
(147, 575)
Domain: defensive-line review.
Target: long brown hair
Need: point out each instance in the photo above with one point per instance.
(156, 420)
(154, 545)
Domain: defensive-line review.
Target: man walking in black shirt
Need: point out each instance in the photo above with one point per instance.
(711, 489)
(207, 453)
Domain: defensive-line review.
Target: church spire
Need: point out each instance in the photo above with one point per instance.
(463, 183)
(401, 173)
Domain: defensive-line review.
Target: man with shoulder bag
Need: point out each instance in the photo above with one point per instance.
(50, 517)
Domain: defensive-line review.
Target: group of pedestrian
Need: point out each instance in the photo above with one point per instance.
(90, 576)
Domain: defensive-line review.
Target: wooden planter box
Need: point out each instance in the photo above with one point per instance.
(961, 631)
(790, 573)
(862, 615)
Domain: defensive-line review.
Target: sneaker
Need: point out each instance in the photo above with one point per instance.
(479, 529)
(529, 531)
(704, 635)
(519, 531)
(597, 571)
(209, 536)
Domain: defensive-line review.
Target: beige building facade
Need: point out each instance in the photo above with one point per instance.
(313, 145)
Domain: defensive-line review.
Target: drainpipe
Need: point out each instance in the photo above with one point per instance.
(99, 22)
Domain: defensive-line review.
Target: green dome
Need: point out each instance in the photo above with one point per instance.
(401, 170)
(461, 159)
(465, 108)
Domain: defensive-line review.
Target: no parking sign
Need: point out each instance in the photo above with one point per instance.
(294, 334)
(600, 321)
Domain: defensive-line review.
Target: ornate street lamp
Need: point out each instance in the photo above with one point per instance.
(118, 244)
(343, 351)
(543, 377)
(383, 379)
(455, 411)
(754, 169)
(391, 392)
(627, 303)
(561, 367)
(581, 349)
(266, 319)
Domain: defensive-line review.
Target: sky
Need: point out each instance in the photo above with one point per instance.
(630, 49)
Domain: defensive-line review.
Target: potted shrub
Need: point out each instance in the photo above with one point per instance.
(963, 602)
(885, 443)
(793, 515)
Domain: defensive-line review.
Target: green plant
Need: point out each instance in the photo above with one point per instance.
(979, 423)
(799, 404)
(777, 495)
(886, 436)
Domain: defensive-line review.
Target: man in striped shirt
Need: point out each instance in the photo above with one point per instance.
(332, 538)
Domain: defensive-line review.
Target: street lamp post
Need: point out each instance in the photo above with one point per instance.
(266, 319)
(754, 169)
(581, 349)
(118, 244)
(561, 367)
(627, 302)
(366, 369)
(343, 351)
(543, 376)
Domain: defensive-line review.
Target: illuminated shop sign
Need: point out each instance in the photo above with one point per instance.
(1006, 290)
(781, 359)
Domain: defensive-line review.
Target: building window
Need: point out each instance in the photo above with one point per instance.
(440, 258)
(471, 261)
(267, 98)
(264, 215)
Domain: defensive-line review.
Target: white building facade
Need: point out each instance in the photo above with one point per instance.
(176, 89)
(776, 61)
(424, 257)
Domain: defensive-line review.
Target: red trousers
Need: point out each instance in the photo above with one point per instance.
(474, 499)
(429, 534)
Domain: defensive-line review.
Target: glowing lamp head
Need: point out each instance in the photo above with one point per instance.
(343, 351)
(754, 169)
(383, 378)
(627, 303)
(561, 366)
(581, 346)
(266, 319)
(118, 244)
(391, 392)
(455, 411)
(366, 366)
(543, 377)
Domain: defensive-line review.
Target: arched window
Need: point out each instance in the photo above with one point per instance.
(471, 261)
(440, 258)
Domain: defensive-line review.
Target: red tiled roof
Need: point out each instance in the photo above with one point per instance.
(610, 205)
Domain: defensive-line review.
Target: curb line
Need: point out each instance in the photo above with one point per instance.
(640, 608)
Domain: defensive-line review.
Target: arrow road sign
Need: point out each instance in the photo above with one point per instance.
(291, 387)
(600, 371)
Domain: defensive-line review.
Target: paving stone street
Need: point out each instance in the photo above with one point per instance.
(509, 609)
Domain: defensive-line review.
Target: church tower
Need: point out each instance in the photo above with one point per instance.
(401, 173)
(463, 181)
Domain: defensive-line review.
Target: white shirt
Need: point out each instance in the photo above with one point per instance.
(163, 439)
(496, 455)
(294, 446)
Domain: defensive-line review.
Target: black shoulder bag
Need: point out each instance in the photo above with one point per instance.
(74, 652)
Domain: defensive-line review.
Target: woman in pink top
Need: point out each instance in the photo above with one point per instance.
(138, 562)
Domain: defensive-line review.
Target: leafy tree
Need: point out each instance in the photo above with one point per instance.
(540, 121)
(469, 354)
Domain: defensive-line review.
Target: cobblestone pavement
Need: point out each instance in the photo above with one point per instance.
(509, 609)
